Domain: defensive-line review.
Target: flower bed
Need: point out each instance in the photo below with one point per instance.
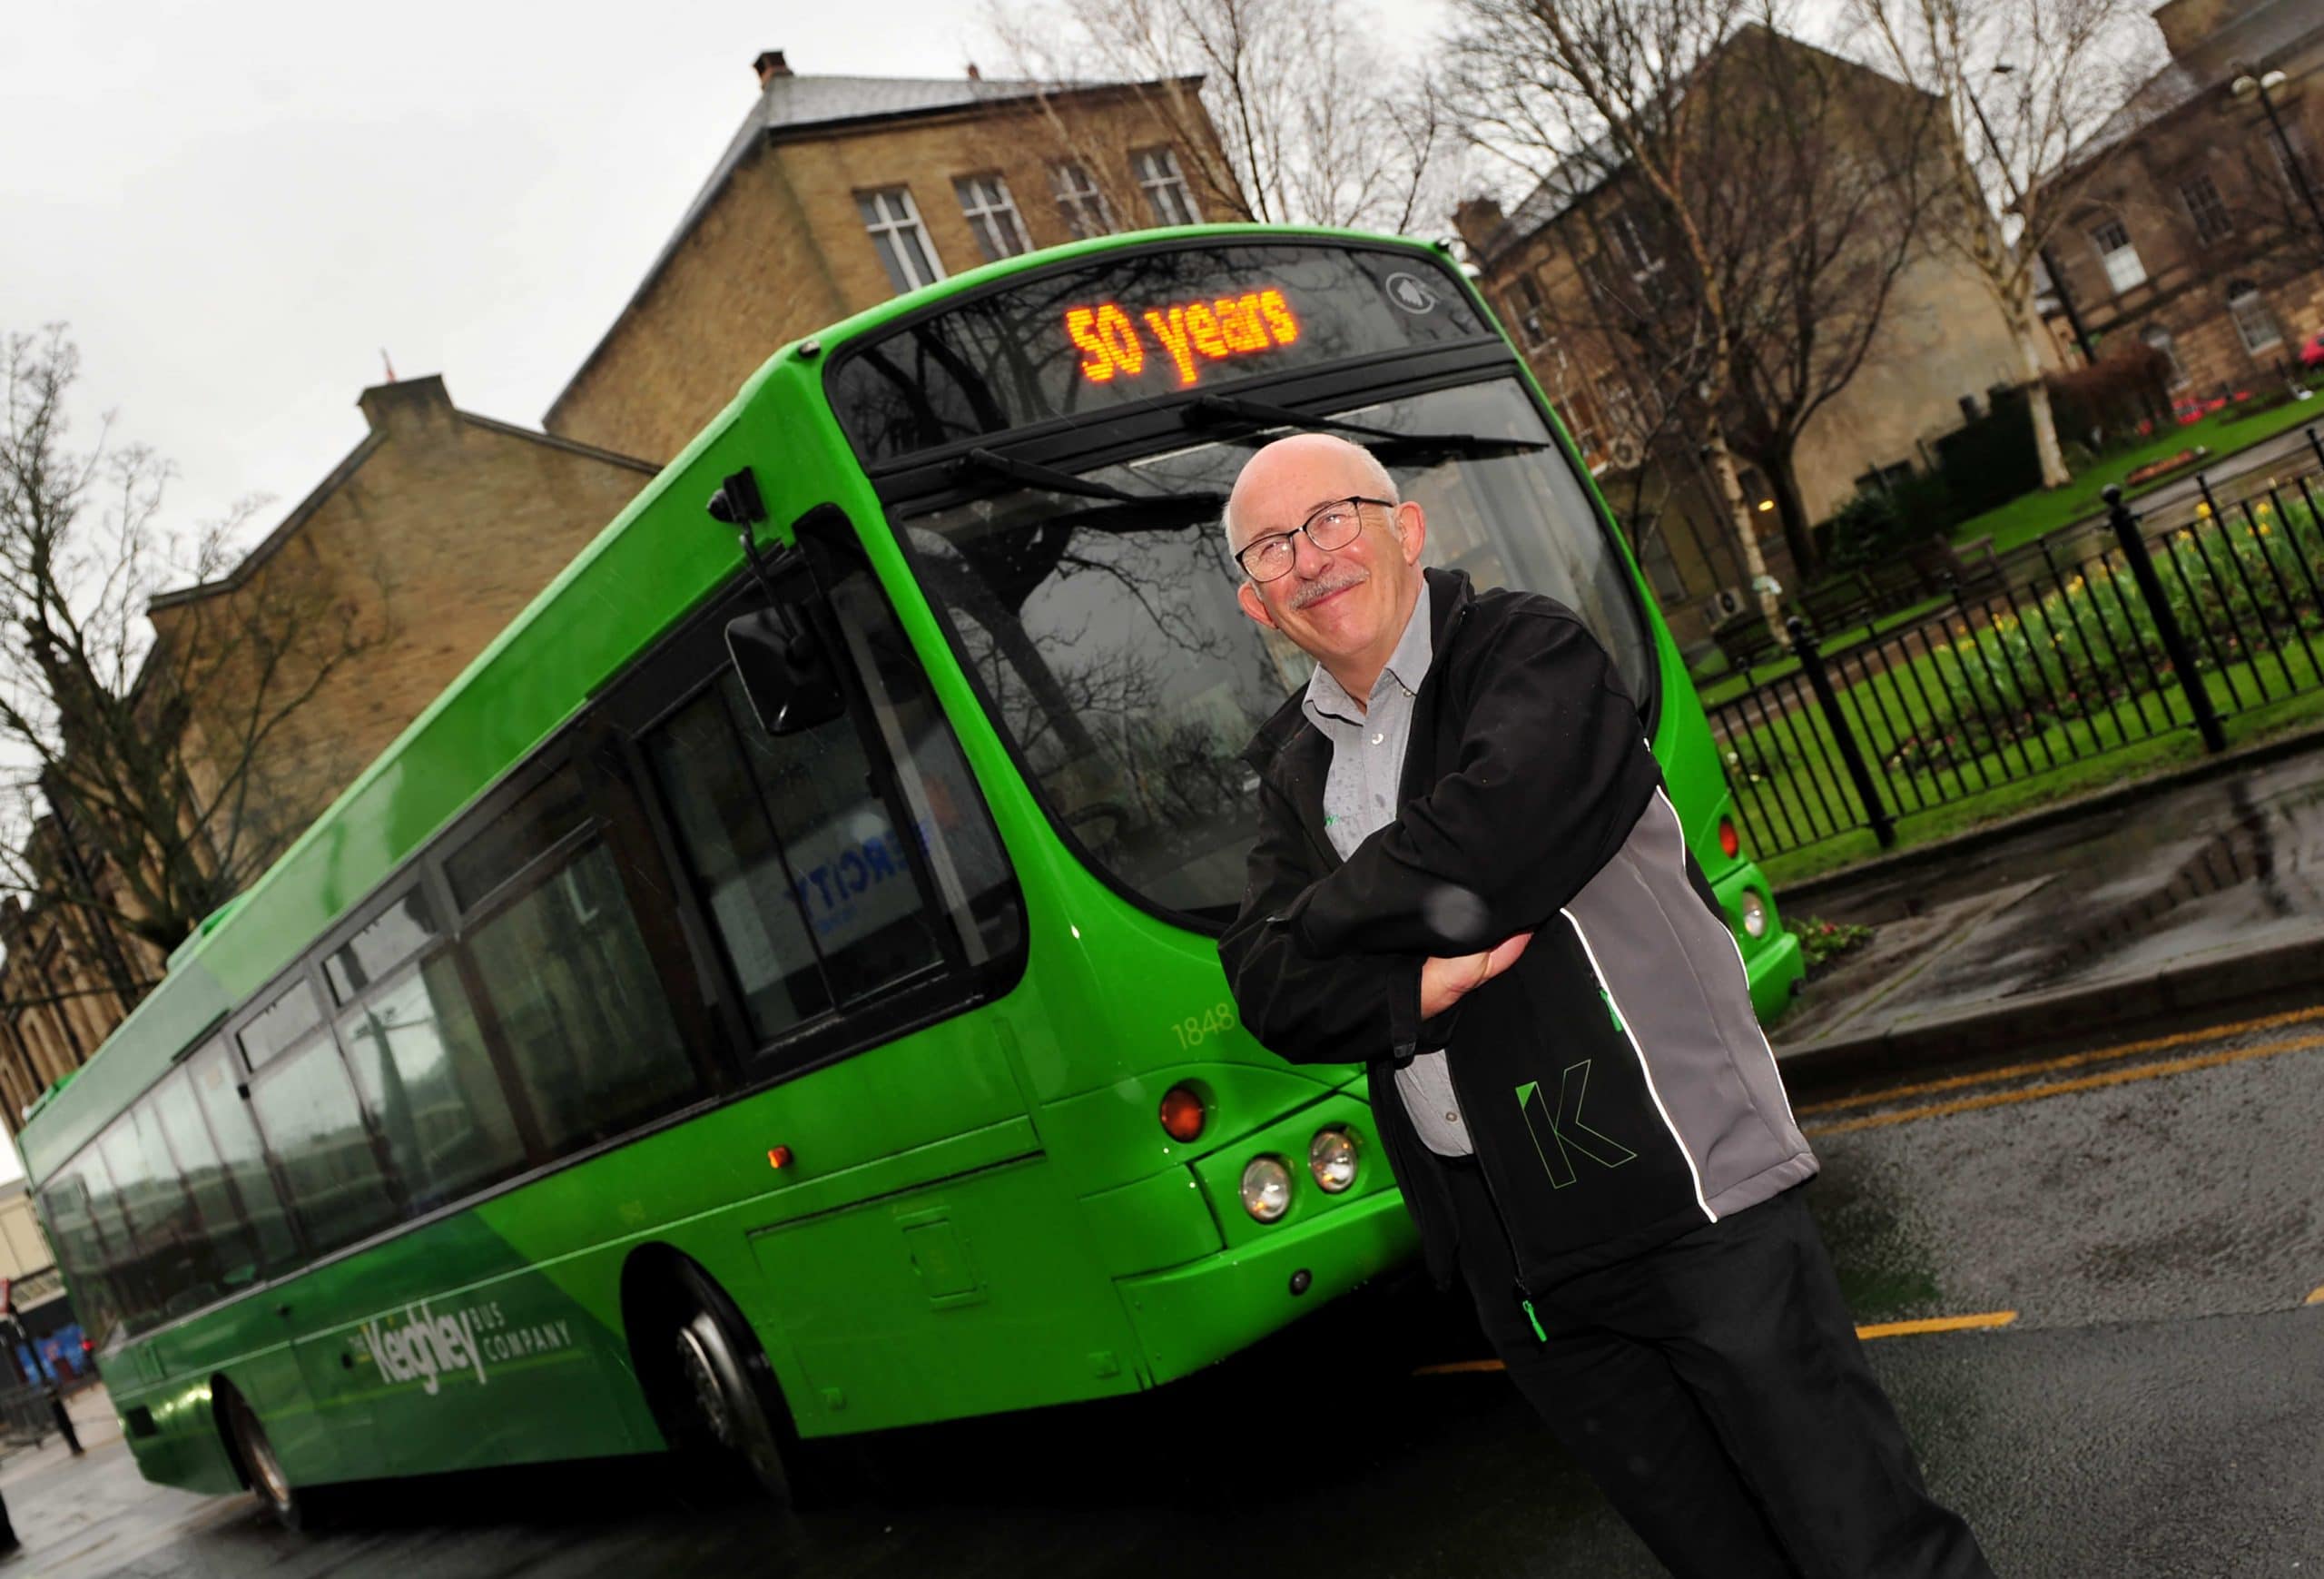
(2166, 465)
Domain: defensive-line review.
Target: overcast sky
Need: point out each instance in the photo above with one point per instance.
(237, 206)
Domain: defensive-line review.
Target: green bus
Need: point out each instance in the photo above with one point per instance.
(772, 994)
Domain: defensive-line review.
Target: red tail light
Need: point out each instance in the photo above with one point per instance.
(1182, 1114)
(1728, 840)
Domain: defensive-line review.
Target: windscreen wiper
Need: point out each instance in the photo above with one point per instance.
(1039, 475)
(1236, 407)
(1159, 507)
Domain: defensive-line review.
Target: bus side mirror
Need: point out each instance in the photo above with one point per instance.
(783, 669)
(776, 652)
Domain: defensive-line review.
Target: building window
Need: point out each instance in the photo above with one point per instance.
(2158, 338)
(1574, 405)
(2253, 321)
(1632, 230)
(1527, 307)
(2204, 207)
(894, 221)
(1080, 201)
(1166, 189)
(992, 217)
(2123, 269)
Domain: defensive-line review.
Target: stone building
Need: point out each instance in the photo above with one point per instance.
(1940, 344)
(365, 601)
(2202, 234)
(839, 193)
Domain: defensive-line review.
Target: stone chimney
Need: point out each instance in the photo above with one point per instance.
(1479, 220)
(770, 66)
(406, 404)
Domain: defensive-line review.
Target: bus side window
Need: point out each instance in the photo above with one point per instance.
(82, 1251)
(803, 874)
(178, 1253)
(229, 1257)
(427, 1082)
(136, 1230)
(572, 991)
(976, 891)
(306, 1109)
(243, 1161)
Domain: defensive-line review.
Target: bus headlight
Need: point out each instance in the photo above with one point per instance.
(1267, 1188)
(1755, 913)
(1330, 1158)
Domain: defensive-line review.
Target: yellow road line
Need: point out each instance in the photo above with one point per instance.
(1867, 1331)
(2315, 1296)
(2069, 1061)
(1987, 1319)
(2064, 1087)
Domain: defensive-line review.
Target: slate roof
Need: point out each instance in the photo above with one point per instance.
(2257, 37)
(790, 103)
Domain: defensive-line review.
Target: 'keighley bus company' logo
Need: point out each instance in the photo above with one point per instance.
(426, 1347)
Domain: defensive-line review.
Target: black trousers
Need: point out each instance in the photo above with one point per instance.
(1716, 1390)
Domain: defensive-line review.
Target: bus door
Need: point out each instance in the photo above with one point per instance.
(863, 917)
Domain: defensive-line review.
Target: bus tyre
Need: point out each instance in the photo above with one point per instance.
(291, 1508)
(729, 1390)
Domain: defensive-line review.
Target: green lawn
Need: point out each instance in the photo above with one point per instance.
(1730, 686)
(2029, 516)
(2176, 744)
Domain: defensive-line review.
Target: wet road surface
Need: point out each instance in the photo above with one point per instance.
(2138, 1224)
(2199, 877)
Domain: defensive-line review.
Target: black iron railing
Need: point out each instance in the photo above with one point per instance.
(2092, 639)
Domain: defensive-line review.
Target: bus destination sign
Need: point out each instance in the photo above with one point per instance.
(1188, 332)
(1080, 340)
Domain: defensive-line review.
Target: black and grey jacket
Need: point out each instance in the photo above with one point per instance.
(1614, 1081)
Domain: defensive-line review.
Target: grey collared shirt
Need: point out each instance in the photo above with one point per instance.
(1359, 800)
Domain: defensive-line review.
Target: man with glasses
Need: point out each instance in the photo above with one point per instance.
(1469, 877)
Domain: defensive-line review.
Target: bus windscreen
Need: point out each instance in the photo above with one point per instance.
(1172, 320)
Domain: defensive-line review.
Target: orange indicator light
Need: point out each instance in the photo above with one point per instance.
(778, 1157)
(1188, 332)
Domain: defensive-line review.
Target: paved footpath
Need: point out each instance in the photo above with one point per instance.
(2178, 900)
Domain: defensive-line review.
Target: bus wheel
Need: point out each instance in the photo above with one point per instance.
(730, 1393)
(292, 1509)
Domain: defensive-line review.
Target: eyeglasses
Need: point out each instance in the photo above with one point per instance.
(1333, 526)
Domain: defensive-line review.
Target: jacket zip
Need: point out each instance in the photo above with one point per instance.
(1500, 1218)
(1484, 1172)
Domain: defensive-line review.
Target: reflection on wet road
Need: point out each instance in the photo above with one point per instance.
(2203, 875)
(2150, 1211)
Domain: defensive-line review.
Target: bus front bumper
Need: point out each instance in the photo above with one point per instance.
(1197, 1315)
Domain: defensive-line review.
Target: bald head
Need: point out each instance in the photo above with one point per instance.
(1346, 605)
(1325, 459)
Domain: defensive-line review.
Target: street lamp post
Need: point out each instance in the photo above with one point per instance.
(2248, 87)
(2017, 200)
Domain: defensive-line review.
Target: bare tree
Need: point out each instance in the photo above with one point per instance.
(2028, 87)
(1735, 206)
(137, 764)
(1313, 123)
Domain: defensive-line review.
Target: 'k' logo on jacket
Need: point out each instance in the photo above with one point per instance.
(1614, 1081)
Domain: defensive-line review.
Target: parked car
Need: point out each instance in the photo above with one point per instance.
(2311, 353)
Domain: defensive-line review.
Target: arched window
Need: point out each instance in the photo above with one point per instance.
(2253, 321)
(2158, 337)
